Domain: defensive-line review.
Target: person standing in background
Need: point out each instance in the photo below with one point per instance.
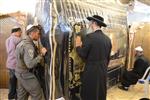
(11, 44)
(95, 51)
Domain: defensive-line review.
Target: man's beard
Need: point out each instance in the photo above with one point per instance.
(89, 30)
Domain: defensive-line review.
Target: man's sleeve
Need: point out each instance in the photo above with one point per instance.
(29, 58)
(109, 55)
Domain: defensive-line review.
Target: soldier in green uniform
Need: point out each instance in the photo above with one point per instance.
(28, 58)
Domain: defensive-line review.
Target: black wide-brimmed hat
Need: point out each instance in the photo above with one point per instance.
(98, 19)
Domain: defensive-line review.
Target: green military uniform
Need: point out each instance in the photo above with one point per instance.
(27, 59)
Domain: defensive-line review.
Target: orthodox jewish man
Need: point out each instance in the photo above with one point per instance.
(95, 51)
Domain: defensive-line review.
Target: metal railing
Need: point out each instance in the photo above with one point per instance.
(145, 79)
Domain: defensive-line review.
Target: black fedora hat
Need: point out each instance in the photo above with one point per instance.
(98, 19)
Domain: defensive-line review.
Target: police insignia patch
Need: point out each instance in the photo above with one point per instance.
(30, 51)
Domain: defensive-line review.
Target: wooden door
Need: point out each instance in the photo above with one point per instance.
(6, 24)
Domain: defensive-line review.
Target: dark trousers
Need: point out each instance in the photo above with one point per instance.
(28, 85)
(129, 78)
(12, 85)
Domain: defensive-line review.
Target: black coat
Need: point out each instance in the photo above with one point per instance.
(140, 66)
(95, 51)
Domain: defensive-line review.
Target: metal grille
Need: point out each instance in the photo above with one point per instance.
(6, 24)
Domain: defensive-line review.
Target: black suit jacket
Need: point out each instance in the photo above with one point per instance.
(96, 47)
(95, 51)
(140, 65)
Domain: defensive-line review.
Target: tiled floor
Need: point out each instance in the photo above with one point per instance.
(3, 94)
(134, 93)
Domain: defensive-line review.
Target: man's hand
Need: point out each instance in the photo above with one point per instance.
(43, 51)
(78, 41)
